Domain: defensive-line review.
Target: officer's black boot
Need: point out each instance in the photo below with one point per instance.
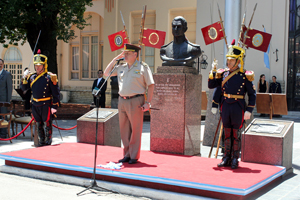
(226, 160)
(222, 142)
(48, 140)
(41, 133)
(236, 148)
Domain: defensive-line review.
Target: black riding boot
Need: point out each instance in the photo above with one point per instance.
(236, 148)
(41, 133)
(226, 160)
(48, 140)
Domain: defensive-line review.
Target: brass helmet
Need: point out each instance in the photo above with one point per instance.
(236, 52)
(40, 59)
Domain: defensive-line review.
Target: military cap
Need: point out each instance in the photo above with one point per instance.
(131, 47)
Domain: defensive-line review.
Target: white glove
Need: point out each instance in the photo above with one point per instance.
(146, 107)
(53, 111)
(214, 110)
(26, 72)
(247, 115)
(214, 64)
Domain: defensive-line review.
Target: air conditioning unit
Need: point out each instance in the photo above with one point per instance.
(64, 96)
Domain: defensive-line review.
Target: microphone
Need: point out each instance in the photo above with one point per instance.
(119, 60)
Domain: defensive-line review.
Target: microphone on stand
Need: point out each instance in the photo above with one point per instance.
(119, 60)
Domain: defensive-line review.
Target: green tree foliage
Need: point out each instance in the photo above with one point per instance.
(22, 20)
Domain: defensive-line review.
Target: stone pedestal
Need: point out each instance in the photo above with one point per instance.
(262, 145)
(176, 125)
(108, 127)
(211, 123)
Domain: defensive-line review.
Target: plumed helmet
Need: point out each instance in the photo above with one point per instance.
(236, 52)
(40, 59)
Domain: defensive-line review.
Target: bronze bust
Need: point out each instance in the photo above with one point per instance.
(179, 52)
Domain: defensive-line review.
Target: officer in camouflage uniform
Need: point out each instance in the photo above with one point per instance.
(235, 83)
(45, 93)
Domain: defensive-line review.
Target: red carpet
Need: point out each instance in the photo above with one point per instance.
(183, 173)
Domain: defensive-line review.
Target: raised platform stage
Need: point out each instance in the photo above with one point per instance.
(184, 174)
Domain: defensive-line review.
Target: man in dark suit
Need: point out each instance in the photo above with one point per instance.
(275, 87)
(96, 86)
(5, 91)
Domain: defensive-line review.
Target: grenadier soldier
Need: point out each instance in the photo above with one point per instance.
(45, 92)
(235, 83)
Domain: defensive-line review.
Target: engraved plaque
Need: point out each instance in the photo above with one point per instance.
(101, 114)
(267, 128)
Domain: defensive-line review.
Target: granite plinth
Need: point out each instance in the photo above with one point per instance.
(274, 148)
(176, 69)
(176, 126)
(108, 128)
(211, 123)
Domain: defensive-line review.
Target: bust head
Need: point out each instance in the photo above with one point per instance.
(179, 52)
(179, 26)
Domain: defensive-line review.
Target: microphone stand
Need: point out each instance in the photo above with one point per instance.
(93, 181)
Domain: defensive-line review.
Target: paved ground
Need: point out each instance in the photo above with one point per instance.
(30, 184)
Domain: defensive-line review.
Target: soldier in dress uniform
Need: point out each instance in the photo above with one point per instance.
(235, 83)
(45, 93)
(134, 77)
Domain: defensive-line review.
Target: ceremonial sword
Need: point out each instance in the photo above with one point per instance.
(57, 126)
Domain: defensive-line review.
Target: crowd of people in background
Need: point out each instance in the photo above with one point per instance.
(263, 85)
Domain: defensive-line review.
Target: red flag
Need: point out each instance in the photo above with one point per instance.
(212, 33)
(258, 40)
(117, 40)
(153, 38)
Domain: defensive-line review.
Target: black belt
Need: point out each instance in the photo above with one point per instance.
(137, 95)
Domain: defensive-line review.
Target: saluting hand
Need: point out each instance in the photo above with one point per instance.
(121, 55)
(214, 65)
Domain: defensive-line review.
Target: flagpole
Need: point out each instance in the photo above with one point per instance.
(211, 21)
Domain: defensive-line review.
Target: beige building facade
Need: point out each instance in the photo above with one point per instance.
(81, 58)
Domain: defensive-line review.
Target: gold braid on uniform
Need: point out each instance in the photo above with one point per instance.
(25, 80)
(220, 72)
(250, 75)
(144, 64)
(56, 104)
(53, 78)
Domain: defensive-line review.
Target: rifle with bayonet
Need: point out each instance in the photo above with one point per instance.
(124, 27)
(223, 29)
(142, 26)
